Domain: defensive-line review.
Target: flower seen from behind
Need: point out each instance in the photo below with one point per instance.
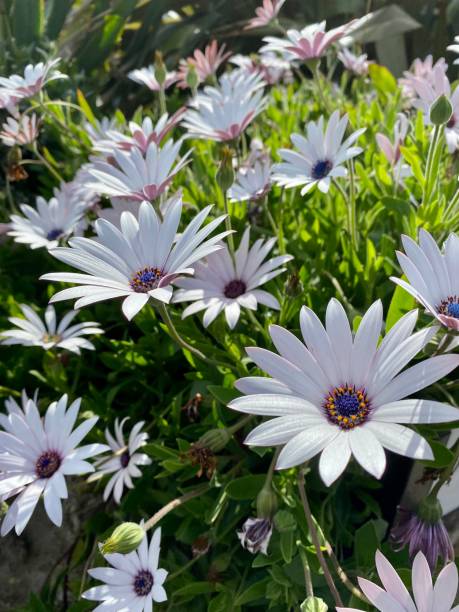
(19, 131)
(265, 14)
(146, 76)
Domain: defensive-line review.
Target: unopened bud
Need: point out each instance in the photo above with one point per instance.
(225, 172)
(215, 439)
(192, 79)
(124, 539)
(441, 111)
(266, 502)
(160, 68)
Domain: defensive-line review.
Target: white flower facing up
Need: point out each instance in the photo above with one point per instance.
(50, 333)
(454, 48)
(344, 396)
(146, 76)
(358, 64)
(138, 261)
(47, 224)
(219, 284)
(432, 277)
(223, 113)
(34, 79)
(252, 182)
(320, 156)
(35, 456)
(136, 176)
(393, 596)
(21, 131)
(133, 582)
(124, 461)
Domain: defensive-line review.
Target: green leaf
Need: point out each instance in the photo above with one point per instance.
(194, 588)
(401, 303)
(313, 604)
(223, 394)
(284, 521)
(83, 104)
(442, 456)
(287, 545)
(253, 592)
(56, 13)
(365, 544)
(245, 487)
(382, 79)
(28, 20)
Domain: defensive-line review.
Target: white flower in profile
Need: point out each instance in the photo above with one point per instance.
(222, 113)
(49, 223)
(98, 129)
(221, 284)
(393, 596)
(265, 14)
(35, 456)
(431, 275)
(136, 176)
(204, 63)
(50, 334)
(20, 131)
(124, 460)
(146, 76)
(358, 64)
(272, 68)
(133, 582)
(342, 395)
(392, 150)
(252, 182)
(320, 156)
(421, 69)
(139, 261)
(454, 48)
(34, 79)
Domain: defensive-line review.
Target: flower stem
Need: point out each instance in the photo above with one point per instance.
(175, 503)
(350, 203)
(228, 223)
(162, 101)
(46, 163)
(342, 574)
(352, 207)
(315, 539)
(448, 472)
(431, 155)
(307, 571)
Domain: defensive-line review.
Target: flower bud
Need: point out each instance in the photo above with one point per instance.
(441, 111)
(266, 502)
(124, 539)
(192, 79)
(256, 534)
(225, 172)
(215, 439)
(160, 69)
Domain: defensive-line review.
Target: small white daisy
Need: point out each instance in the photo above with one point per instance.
(358, 64)
(138, 261)
(34, 79)
(124, 459)
(146, 76)
(342, 395)
(221, 284)
(320, 157)
(35, 456)
(252, 182)
(97, 130)
(204, 63)
(49, 334)
(21, 131)
(134, 582)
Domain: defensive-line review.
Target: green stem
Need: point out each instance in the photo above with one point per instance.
(447, 473)
(240, 424)
(352, 206)
(320, 90)
(228, 224)
(307, 571)
(256, 323)
(431, 155)
(162, 101)
(46, 163)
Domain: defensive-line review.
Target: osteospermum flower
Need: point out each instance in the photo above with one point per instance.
(358, 64)
(320, 157)
(49, 334)
(269, 66)
(47, 224)
(223, 113)
(265, 14)
(421, 69)
(431, 276)
(393, 596)
(136, 176)
(146, 76)
(98, 129)
(221, 284)
(123, 462)
(138, 261)
(133, 582)
(392, 150)
(252, 182)
(205, 64)
(20, 131)
(34, 79)
(344, 396)
(35, 456)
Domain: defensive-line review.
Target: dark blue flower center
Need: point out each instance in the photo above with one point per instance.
(47, 464)
(321, 168)
(347, 406)
(143, 583)
(54, 234)
(124, 459)
(146, 279)
(450, 307)
(453, 310)
(234, 289)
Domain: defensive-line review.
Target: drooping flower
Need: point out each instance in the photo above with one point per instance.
(454, 48)
(136, 176)
(265, 14)
(344, 396)
(252, 182)
(146, 76)
(272, 68)
(124, 460)
(133, 582)
(256, 534)
(307, 44)
(431, 275)
(320, 157)
(35, 456)
(392, 151)
(49, 334)
(223, 113)
(358, 64)
(34, 79)
(205, 64)
(137, 262)
(21, 131)
(393, 596)
(223, 285)
(421, 69)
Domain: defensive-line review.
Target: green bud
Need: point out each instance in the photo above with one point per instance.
(225, 172)
(124, 539)
(313, 604)
(192, 79)
(215, 439)
(266, 502)
(160, 68)
(441, 111)
(430, 510)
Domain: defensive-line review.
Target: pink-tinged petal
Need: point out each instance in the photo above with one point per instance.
(393, 583)
(445, 589)
(379, 598)
(422, 584)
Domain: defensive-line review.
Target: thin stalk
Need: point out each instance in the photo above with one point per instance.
(352, 206)
(315, 539)
(258, 325)
(307, 571)
(342, 574)
(162, 101)
(429, 164)
(240, 424)
(269, 215)
(320, 89)
(228, 224)
(350, 212)
(46, 163)
(175, 503)
(451, 206)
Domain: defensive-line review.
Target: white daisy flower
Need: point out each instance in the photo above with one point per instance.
(431, 275)
(12, 407)
(358, 64)
(97, 130)
(50, 333)
(136, 176)
(265, 14)
(342, 395)
(221, 284)
(50, 222)
(35, 456)
(223, 113)
(124, 459)
(252, 182)
(138, 262)
(146, 76)
(269, 66)
(420, 69)
(320, 157)
(134, 582)
(34, 79)
(118, 206)
(21, 131)
(392, 150)
(454, 48)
